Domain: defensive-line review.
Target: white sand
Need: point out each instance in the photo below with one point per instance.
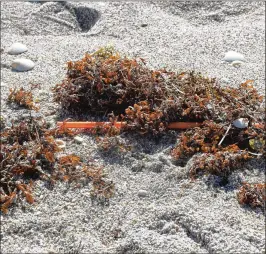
(177, 216)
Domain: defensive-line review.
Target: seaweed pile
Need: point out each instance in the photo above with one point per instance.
(148, 100)
(30, 151)
(105, 82)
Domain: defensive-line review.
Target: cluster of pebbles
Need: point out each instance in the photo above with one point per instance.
(20, 64)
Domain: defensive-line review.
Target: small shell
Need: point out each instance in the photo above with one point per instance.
(22, 64)
(231, 56)
(241, 123)
(61, 144)
(17, 48)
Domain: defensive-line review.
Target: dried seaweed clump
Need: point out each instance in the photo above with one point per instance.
(253, 195)
(221, 148)
(221, 163)
(30, 152)
(143, 119)
(105, 80)
(22, 98)
(148, 100)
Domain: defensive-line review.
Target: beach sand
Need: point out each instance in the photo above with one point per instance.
(177, 215)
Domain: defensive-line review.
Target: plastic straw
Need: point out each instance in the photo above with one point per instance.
(90, 125)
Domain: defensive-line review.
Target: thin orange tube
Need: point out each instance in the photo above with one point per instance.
(86, 125)
(90, 125)
(183, 125)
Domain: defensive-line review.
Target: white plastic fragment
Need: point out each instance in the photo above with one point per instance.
(231, 56)
(22, 64)
(241, 123)
(17, 48)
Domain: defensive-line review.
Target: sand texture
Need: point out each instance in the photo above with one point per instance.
(176, 215)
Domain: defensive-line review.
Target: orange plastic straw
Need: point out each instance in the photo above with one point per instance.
(90, 125)
(87, 125)
(183, 125)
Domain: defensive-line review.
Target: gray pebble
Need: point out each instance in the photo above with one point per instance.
(43, 93)
(241, 123)
(236, 63)
(225, 80)
(143, 193)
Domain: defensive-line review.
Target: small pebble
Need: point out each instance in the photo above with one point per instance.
(241, 123)
(142, 193)
(43, 93)
(51, 123)
(225, 80)
(22, 64)
(78, 139)
(236, 63)
(2, 84)
(231, 56)
(17, 48)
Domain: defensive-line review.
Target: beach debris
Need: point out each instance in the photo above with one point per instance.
(253, 195)
(60, 143)
(236, 63)
(225, 80)
(17, 48)
(142, 193)
(220, 163)
(91, 125)
(257, 144)
(78, 139)
(29, 151)
(232, 56)
(22, 64)
(241, 123)
(2, 84)
(22, 98)
(43, 93)
(219, 120)
(144, 25)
